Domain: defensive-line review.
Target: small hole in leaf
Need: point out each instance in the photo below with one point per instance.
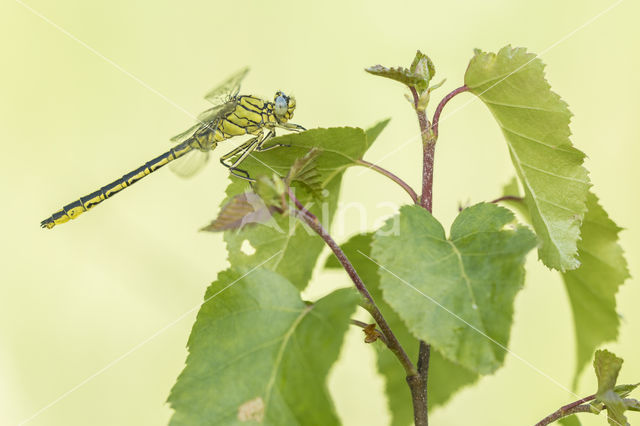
(511, 226)
(247, 248)
(251, 411)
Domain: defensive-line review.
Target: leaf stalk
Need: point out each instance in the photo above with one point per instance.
(392, 342)
(396, 179)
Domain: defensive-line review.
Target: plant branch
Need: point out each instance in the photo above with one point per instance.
(429, 135)
(585, 408)
(391, 176)
(578, 406)
(575, 407)
(428, 151)
(392, 342)
(418, 385)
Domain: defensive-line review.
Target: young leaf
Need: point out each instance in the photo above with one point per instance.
(403, 75)
(271, 190)
(243, 209)
(445, 377)
(535, 124)
(456, 293)
(607, 367)
(592, 288)
(632, 404)
(423, 66)
(297, 249)
(259, 353)
(304, 170)
(418, 75)
(624, 390)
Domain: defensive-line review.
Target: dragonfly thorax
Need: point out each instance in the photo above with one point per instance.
(284, 106)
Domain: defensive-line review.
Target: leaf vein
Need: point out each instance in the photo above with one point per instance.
(547, 172)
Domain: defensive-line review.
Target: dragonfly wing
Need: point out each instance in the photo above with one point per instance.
(230, 87)
(212, 114)
(184, 135)
(189, 164)
(207, 118)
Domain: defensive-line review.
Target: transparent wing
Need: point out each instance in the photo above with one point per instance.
(222, 97)
(212, 114)
(181, 137)
(230, 87)
(189, 164)
(207, 118)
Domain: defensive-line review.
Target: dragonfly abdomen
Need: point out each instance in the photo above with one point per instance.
(73, 210)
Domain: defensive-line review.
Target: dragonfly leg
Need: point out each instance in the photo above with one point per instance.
(242, 174)
(262, 148)
(291, 126)
(236, 151)
(246, 149)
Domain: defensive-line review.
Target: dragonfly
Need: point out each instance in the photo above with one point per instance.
(232, 115)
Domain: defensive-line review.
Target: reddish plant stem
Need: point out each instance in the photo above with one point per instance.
(440, 107)
(419, 388)
(370, 305)
(428, 152)
(586, 408)
(391, 176)
(507, 198)
(429, 135)
(567, 410)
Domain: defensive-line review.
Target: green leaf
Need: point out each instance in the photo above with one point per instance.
(294, 248)
(592, 288)
(535, 124)
(271, 190)
(632, 404)
(607, 367)
(445, 377)
(374, 131)
(624, 390)
(304, 170)
(423, 66)
(570, 421)
(437, 85)
(456, 293)
(511, 189)
(258, 352)
(403, 75)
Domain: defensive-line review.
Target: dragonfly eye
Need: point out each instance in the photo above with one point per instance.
(281, 104)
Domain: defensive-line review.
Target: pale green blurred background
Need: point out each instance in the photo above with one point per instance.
(94, 307)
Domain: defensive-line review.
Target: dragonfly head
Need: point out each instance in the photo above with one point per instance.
(284, 106)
